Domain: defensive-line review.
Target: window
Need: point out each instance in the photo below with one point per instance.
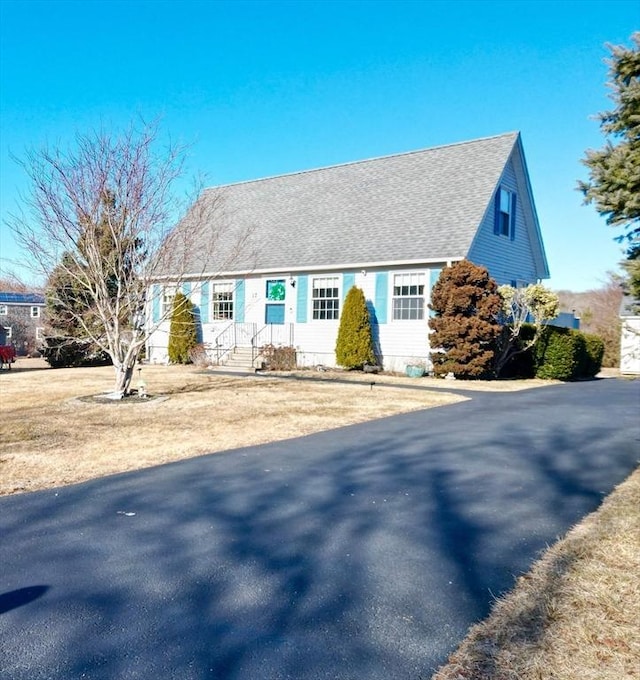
(35, 312)
(8, 331)
(408, 297)
(39, 333)
(222, 301)
(4, 310)
(326, 303)
(505, 213)
(168, 293)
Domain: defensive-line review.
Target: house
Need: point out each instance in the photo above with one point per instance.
(387, 225)
(22, 321)
(630, 336)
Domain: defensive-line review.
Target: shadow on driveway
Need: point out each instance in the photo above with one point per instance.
(359, 553)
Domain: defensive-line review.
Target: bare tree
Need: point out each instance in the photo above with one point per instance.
(101, 215)
(533, 304)
(599, 312)
(11, 282)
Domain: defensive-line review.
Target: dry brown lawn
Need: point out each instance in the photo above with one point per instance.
(50, 437)
(575, 615)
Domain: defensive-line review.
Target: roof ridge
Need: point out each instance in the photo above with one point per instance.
(514, 134)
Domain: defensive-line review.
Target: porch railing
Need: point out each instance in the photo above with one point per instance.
(232, 336)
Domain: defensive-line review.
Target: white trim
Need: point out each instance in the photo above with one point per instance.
(339, 268)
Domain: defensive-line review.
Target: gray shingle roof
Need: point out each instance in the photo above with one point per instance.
(418, 206)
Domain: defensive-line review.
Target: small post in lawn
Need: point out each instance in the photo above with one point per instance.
(142, 386)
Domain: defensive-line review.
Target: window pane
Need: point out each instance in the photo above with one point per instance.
(222, 301)
(408, 297)
(505, 201)
(325, 300)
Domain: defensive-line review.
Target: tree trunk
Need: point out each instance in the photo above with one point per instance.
(124, 374)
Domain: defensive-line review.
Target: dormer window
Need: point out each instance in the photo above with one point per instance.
(505, 224)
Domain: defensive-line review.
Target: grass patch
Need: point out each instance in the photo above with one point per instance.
(50, 436)
(575, 615)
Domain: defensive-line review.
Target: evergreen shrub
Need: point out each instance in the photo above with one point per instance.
(60, 352)
(593, 356)
(557, 353)
(568, 354)
(183, 333)
(354, 346)
(464, 329)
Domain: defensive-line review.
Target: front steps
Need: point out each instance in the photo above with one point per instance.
(240, 360)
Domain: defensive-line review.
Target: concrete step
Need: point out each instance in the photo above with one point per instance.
(241, 357)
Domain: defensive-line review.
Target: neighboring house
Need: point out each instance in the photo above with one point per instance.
(22, 321)
(387, 225)
(630, 336)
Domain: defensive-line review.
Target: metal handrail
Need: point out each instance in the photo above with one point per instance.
(217, 344)
(227, 340)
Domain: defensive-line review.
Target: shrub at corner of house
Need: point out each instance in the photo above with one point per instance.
(183, 333)
(354, 346)
(593, 355)
(464, 327)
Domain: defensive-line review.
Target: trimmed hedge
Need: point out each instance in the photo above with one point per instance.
(559, 354)
(567, 354)
(592, 360)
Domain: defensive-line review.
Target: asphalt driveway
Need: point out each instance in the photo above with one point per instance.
(360, 553)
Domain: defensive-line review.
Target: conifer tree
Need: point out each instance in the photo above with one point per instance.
(465, 327)
(354, 346)
(183, 335)
(614, 171)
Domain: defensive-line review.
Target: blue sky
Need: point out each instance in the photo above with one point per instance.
(261, 88)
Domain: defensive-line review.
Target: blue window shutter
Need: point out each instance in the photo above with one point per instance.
(238, 307)
(496, 212)
(433, 278)
(301, 304)
(382, 296)
(348, 282)
(186, 288)
(204, 302)
(155, 303)
(512, 230)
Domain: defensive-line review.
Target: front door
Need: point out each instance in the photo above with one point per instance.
(274, 307)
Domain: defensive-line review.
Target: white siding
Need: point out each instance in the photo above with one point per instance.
(400, 342)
